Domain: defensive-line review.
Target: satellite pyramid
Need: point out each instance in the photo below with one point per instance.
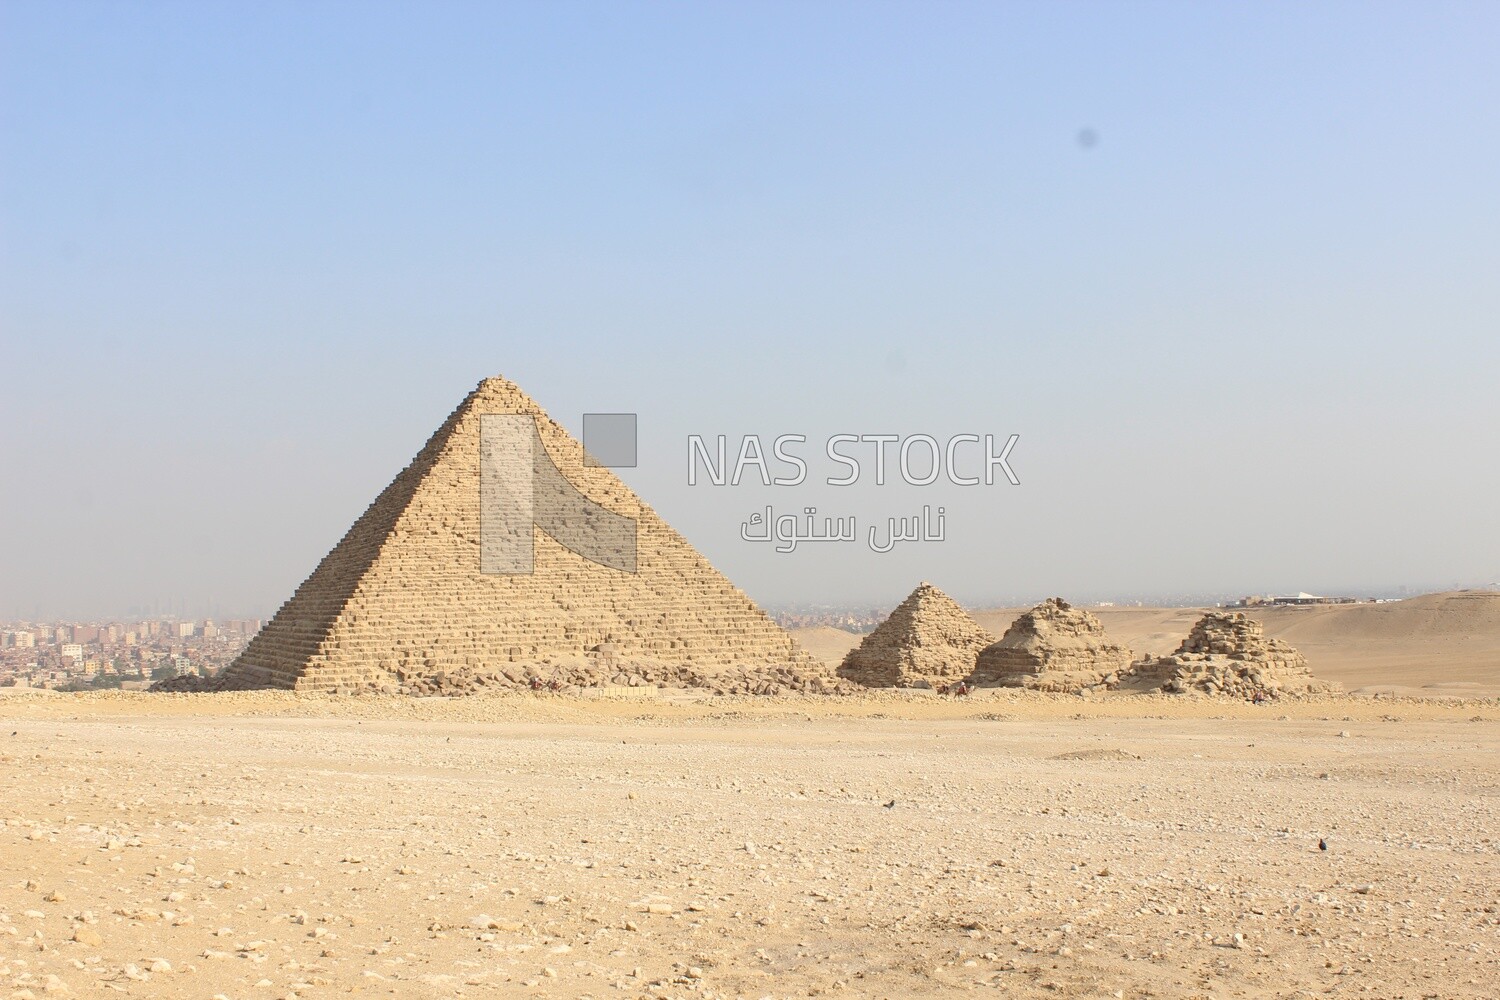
(412, 592)
(1228, 653)
(1052, 647)
(927, 640)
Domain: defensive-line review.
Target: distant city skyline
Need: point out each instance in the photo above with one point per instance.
(1227, 271)
(780, 609)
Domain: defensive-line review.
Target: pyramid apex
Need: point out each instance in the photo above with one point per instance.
(499, 394)
(927, 589)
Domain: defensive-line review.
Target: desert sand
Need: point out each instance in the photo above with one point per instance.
(273, 844)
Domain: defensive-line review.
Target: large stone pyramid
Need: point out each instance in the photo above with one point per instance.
(402, 598)
(928, 640)
(1052, 647)
(1228, 653)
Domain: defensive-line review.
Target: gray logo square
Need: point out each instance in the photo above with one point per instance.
(609, 440)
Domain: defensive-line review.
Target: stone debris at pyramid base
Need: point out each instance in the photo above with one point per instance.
(575, 676)
(1052, 647)
(1228, 654)
(929, 641)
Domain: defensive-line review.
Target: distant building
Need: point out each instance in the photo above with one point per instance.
(1303, 598)
(1299, 599)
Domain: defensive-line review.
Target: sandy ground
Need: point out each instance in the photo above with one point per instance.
(270, 845)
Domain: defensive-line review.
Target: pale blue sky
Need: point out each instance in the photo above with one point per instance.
(252, 254)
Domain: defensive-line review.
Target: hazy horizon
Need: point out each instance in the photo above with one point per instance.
(1227, 271)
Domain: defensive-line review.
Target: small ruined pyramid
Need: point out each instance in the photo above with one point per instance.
(927, 640)
(1229, 654)
(1052, 647)
(402, 597)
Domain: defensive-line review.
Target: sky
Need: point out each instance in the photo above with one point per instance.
(1227, 270)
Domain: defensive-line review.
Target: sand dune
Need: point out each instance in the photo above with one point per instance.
(1436, 644)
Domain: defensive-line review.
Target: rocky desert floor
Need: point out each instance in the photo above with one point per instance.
(273, 845)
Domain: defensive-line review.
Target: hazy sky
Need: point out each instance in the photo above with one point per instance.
(1230, 271)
